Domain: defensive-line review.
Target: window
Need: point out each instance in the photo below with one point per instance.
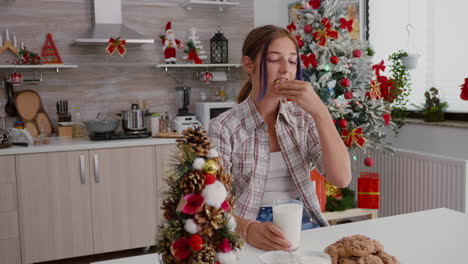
(438, 35)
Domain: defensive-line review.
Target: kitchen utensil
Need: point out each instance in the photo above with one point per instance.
(183, 100)
(134, 119)
(32, 113)
(102, 124)
(10, 108)
(62, 111)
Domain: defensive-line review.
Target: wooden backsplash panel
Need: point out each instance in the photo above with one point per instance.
(104, 83)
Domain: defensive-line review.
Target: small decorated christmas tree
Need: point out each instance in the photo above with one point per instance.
(199, 227)
(194, 48)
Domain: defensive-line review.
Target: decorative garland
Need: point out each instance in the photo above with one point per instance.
(346, 201)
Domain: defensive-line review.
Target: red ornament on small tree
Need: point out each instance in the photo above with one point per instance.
(345, 82)
(348, 95)
(357, 53)
(343, 123)
(369, 161)
(334, 59)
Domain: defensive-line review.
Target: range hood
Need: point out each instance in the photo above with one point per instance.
(108, 23)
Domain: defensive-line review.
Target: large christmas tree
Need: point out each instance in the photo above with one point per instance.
(199, 226)
(339, 68)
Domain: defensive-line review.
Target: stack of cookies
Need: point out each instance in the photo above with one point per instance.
(359, 249)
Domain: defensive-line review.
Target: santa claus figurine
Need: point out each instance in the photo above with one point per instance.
(169, 44)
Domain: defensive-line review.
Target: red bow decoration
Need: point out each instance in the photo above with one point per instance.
(116, 43)
(314, 4)
(464, 90)
(291, 27)
(325, 33)
(346, 24)
(386, 118)
(354, 135)
(309, 60)
(300, 41)
(193, 56)
(378, 67)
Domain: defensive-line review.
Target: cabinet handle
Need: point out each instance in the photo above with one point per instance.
(82, 170)
(97, 177)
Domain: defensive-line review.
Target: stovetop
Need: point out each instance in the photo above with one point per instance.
(119, 135)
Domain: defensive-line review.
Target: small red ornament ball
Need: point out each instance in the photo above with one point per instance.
(209, 178)
(343, 123)
(357, 53)
(334, 59)
(345, 82)
(348, 95)
(196, 242)
(308, 29)
(369, 162)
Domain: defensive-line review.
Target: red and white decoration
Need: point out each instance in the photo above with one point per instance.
(170, 43)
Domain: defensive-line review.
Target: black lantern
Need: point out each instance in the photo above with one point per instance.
(219, 48)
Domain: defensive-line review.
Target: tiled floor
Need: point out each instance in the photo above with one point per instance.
(100, 257)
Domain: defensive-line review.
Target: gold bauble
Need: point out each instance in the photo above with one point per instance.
(210, 167)
(332, 190)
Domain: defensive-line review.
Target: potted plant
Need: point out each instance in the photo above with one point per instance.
(434, 109)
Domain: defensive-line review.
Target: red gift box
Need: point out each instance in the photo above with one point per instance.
(319, 188)
(369, 190)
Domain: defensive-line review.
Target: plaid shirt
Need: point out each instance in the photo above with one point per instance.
(241, 137)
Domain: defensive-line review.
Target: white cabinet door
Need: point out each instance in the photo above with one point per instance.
(9, 230)
(122, 190)
(164, 154)
(54, 205)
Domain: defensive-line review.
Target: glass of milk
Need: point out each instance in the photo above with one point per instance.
(287, 215)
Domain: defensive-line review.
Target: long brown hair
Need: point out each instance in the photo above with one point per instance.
(256, 42)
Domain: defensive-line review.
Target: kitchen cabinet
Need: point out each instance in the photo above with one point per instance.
(79, 203)
(164, 154)
(54, 205)
(123, 190)
(9, 230)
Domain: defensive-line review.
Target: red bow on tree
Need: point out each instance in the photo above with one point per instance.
(309, 60)
(323, 34)
(300, 41)
(116, 43)
(354, 135)
(315, 4)
(346, 24)
(193, 56)
(291, 27)
(464, 90)
(378, 67)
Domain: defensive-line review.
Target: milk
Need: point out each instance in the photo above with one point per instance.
(287, 215)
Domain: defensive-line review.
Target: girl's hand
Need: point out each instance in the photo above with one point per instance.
(267, 236)
(303, 94)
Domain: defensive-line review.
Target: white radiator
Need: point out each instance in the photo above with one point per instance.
(411, 181)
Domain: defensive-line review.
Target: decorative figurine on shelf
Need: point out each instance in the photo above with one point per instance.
(117, 44)
(27, 56)
(194, 48)
(49, 51)
(170, 43)
(8, 45)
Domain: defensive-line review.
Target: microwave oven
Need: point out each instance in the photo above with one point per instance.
(205, 111)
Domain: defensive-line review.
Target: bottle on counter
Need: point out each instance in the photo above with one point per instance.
(155, 119)
(78, 128)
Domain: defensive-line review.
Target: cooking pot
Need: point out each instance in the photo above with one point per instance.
(102, 124)
(134, 119)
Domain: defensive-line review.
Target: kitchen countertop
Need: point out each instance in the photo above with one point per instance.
(84, 144)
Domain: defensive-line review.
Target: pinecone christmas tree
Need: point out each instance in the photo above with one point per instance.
(199, 226)
(357, 94)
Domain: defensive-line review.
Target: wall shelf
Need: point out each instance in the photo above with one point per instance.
(57, 67)
(186, 65)
(205, 3)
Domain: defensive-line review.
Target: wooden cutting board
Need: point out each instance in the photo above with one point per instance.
(32, 113)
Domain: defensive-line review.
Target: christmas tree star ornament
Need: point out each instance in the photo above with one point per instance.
(116, 44)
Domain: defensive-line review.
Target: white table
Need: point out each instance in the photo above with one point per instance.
(434, 236)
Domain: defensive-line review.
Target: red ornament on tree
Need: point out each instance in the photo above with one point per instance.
(196, 242)
(314, 4)
(343, 123)
(348, 95)
(334, 59)
(308, 29)
(357, 53)
(209, 178)
(345, 82)
(369, 161)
